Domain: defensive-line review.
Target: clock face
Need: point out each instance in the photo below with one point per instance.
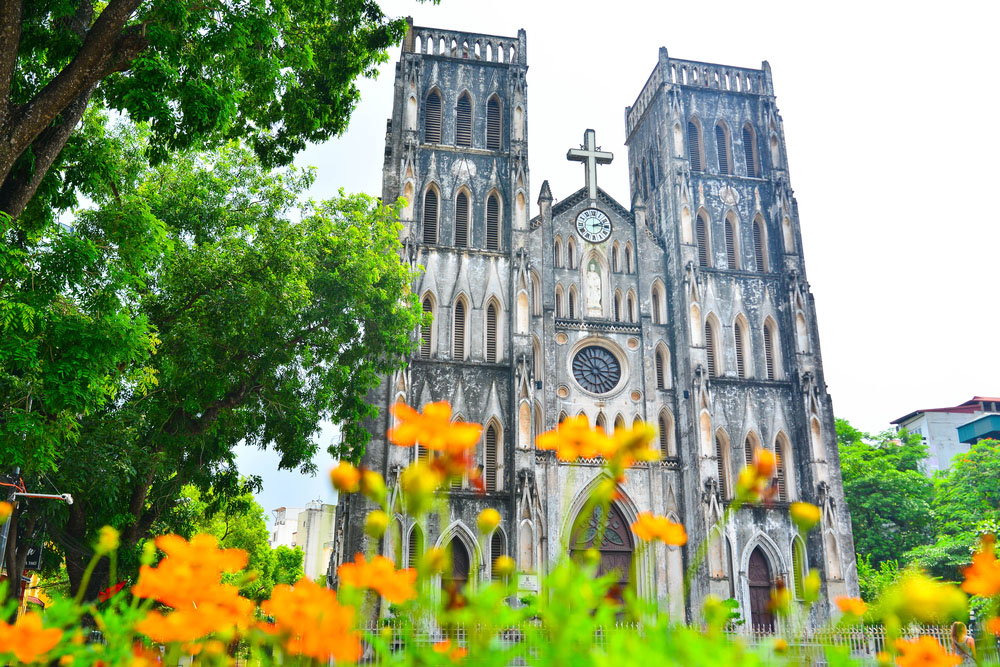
(593, 225)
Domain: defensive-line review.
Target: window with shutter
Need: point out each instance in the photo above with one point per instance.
(491, 333)
(430, 218)
(769, 351)
(721, 463)
(702, 232)
(748, 451)
(722, 148)
(730, 245)
(779, 476)
(493, 124)
(758, 246)
(491, 458)
(557, 254)
(463, 122)
(694, 145)
(601, 424)
(415, 548)
(631, 308)
(628, 259)
(462, 220)
(614, 259)
(493, 223)
(459, 326)
(750, 150)
(656, 306)
(661, 380)
(571, 253)
(738, 335)
(618, 307)
(425, 331)
(496, 550)
(664, 437)
(710, 350)
(432, 118)
(798, 567)
(572, 305)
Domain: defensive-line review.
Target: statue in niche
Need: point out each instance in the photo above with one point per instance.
(594, 290)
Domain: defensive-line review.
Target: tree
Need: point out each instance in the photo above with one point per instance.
(888, 495)
(274, 73)
(966, 505)
(265, 324)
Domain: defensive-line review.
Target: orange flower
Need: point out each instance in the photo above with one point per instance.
(345, 478)
(781, 598)
(574, 438)
(433, 429)
(454, 654)
(632, 444)
(380, 575)
(853, 606)
(651, 527)
(993, 626)
(26, 639)
(924, 651)
(983, 576)
(314, 623)
(6, 509)
(756, 481)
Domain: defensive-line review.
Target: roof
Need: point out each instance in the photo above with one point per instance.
(581, 195)
(987, 426)
(969, 407)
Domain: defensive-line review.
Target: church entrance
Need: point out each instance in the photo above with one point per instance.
(759, 576)
(456, 580)
(616, 547)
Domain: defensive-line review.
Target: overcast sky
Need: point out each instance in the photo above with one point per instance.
(888, 112)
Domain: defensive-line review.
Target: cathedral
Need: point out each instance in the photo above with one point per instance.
(686, 307)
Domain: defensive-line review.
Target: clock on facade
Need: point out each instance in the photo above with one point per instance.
(593, 225)
(596, 369)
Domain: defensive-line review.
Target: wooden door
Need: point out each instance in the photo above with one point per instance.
(616, 547)
(759, 576)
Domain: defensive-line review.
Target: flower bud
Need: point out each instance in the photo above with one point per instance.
(435, 561)
(504, 566)
(592, 557)
(107, 540)
(489, 519)
(805, 515)
(148, 552)
(345, 477)
(373, 486)
(811, 585)
(376, 522)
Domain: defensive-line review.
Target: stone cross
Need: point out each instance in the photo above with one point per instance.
(591, 156)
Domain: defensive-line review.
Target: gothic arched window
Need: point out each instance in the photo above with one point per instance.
(770, 338)
(415, 546)
(493, 222)
(722, 461)
(557, 253)
(740, 338)
(462, 220)
(496, 550)
(618, 306)
(666, 435)
(614, 258)
(694, 144)
(750, 150)
(710, 352)
(628, 258)
(722, 148)
(425, 330)
(731, 253)
(492, 337)
(432, 118)
(571, 253)
(759, 245)
(458, 333)
(701, 231)
(463, 121)
(661, 369)
(490, 463)
(572, 303)
(494, 123)
(430, 219)
(799, 566)
(631, 307)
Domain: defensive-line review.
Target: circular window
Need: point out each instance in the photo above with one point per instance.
(596, 369)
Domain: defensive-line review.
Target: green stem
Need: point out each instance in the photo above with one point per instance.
(86, 579)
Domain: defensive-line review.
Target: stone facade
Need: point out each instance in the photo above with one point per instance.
(691, 312)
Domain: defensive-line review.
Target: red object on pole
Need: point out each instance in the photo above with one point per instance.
(109, 593)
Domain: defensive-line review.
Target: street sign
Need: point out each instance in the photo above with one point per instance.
(34, 561)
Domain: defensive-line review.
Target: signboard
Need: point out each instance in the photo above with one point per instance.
(34, 561)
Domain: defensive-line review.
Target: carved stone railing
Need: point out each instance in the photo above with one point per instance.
(466, 45)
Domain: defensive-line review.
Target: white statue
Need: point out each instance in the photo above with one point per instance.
(593, 290)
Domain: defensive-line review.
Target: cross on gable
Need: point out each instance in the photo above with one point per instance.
(591, 156)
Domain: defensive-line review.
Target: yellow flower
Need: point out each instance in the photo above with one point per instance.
(805, 515)
(633, 444)
(781, 598)
(26, 638)
(917, 597)
(372, 485)
(756, 481)
(435, 561)
(504, 566)
(811, 583)
(852, 606)
(380, 575)
(6, 509)
(346, 478)
(313, 622)
(650, 527)
(419, 481)
(983, 576)
(107, 540)
(573, 439)
(489, 519)
(376, 522)
(780, 646)
(924, 651)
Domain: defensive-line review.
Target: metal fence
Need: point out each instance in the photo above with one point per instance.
(864, 642)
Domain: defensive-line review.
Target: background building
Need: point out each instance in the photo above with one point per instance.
(686, 307)
(309, 528)
(949, 431)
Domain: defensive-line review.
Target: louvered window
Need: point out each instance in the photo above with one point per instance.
(710, 349)
(702, 232)
(432, 119)
(571, 254)
(491, 333)
(601, 424)
(798, 567)
(463, 121)
(415, 547)
(661, 378)
(422, 453)
(557, 254)
(496, 550)
(493, 223)
(750, 150)
(425, 331)
(694, 146)
(722, 148)
(493, 124)
(628, 260)
(730, 245)
(769, 352)
(491, 458)
(664, 437)
(656, 307)
(614, 259)
(748, 451)
(780, 478)
(572, 305)
(618, 308)
(459, 337)
(740, 367)
(431, 217)
(631, 308)
(560, 312)
(462, 220)
(758, 246)
(721, 463)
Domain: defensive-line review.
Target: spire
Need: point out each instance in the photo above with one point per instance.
(546, 193)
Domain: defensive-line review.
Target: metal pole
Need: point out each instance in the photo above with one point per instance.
(6, 524)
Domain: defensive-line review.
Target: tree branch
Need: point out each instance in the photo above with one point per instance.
(10, 37)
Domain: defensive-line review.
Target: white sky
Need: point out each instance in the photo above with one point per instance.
(887, 109)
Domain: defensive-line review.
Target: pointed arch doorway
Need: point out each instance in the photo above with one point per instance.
(616, 546)
(760, 583)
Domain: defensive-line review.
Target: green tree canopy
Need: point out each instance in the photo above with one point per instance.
(888, 494)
